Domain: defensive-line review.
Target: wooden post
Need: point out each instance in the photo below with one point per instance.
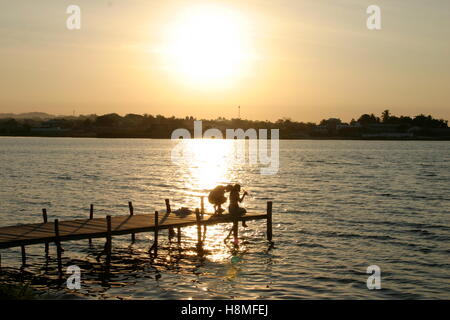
(24, 256)
(199, 226)
(58, 246)
(91, 216)
(202, 211)
(156, 227)
(130, 207)
(202, 205)
(155, 241)
(108, 240)
(179, 235)
(168, 211)
(44, 217)
(269, 220)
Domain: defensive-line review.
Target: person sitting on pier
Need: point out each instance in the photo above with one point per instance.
(217, 197)
(235, 199)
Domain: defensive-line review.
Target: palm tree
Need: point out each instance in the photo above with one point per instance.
(385, 116)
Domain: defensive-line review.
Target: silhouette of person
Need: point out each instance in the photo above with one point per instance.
(217, 197)
(235, 199)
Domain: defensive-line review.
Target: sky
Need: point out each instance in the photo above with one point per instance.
(299, 59)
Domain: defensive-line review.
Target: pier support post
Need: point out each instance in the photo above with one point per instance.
(24, 256)
(269, 220)
(168, 211)
(179, 235)
(199, 227)
(156, 230)
(154, 247)
(58, 247)
(202, 205)
(130, 207)
(202, 211)
(44, 217)
(91, 216)
(108, 240)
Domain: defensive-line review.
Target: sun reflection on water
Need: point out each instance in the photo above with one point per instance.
(210, 162)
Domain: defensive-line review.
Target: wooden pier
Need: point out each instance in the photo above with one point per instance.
(109, 226)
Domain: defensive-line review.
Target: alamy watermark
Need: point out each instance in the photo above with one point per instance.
(374, 20)
(374, 281)
(73, 22)
(74, 280)
(258, 146)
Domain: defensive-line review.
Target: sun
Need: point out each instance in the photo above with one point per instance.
(207, 46)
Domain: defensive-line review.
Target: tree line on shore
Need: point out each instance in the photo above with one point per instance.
(149, 126)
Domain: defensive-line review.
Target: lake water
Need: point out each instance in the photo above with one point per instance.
(339, 207)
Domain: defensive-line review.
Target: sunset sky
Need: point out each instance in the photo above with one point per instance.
(302, 59)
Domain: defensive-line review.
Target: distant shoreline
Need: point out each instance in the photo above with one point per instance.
(287, 139)
(134, 126)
